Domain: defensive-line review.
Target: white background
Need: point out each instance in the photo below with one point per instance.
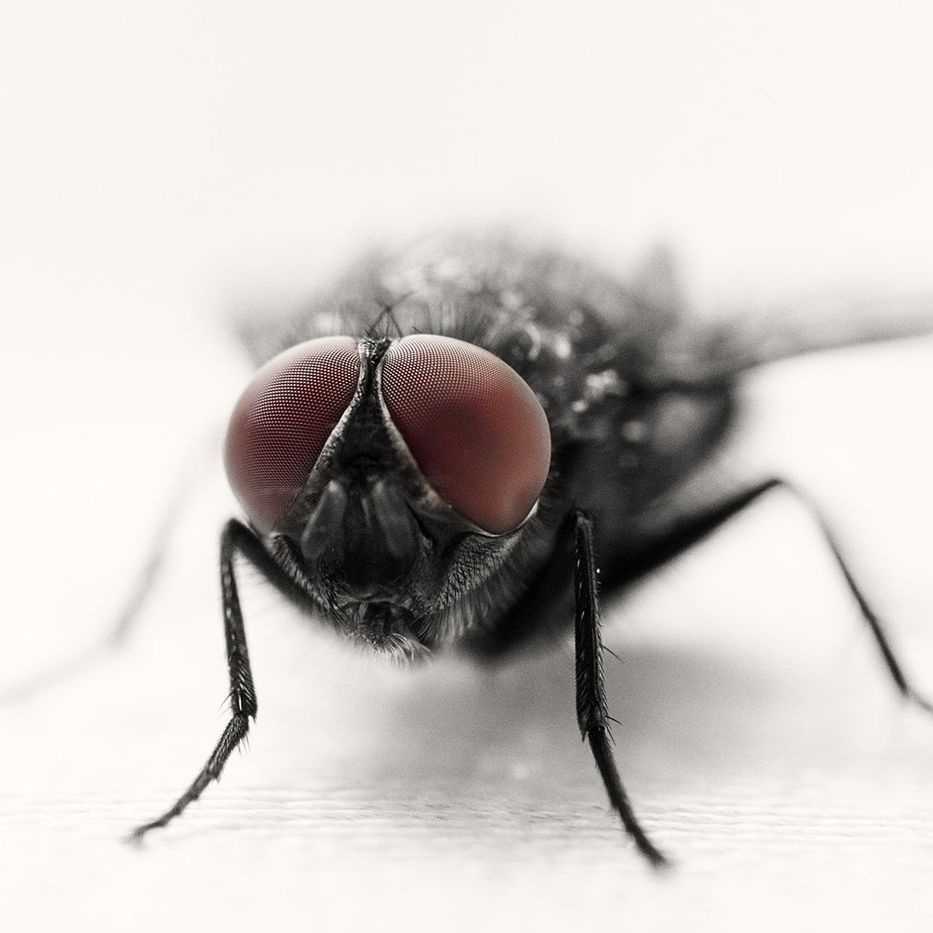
(163, 164)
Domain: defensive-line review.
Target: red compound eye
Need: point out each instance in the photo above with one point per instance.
(282, 421)
(472, 424)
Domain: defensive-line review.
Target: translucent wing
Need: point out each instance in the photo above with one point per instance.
(718, 347)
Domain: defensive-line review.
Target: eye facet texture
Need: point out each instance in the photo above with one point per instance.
(473, 425)
(282, 421)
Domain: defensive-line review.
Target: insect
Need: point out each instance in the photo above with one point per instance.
(462, 444)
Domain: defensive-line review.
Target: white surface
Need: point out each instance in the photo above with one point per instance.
(156, 165)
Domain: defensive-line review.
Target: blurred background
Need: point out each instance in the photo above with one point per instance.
(162, 166)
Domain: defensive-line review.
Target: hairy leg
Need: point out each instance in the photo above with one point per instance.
(592, 711)
(235, 538)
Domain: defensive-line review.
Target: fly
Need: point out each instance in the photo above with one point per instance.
(438, 452)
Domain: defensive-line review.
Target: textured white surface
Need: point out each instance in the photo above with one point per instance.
(158, 162)
(759, 737)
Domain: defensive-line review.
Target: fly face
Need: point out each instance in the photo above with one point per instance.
(390, 479)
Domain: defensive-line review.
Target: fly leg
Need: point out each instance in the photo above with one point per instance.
(592, 711)
(236, 537)
(903, 685)
(700, 527)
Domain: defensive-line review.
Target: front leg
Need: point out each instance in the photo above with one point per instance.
(235, 537)
(592, 711)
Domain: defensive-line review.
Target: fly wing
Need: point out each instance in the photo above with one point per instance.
(715, 348)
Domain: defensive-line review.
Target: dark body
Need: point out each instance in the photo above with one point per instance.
(627, 431)
(637, 397)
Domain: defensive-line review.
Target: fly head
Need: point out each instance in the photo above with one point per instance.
(391, 479)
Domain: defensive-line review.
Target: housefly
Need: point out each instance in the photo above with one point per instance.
(438, 451)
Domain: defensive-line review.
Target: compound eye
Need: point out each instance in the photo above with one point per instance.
(282, 422)
(473, 425)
